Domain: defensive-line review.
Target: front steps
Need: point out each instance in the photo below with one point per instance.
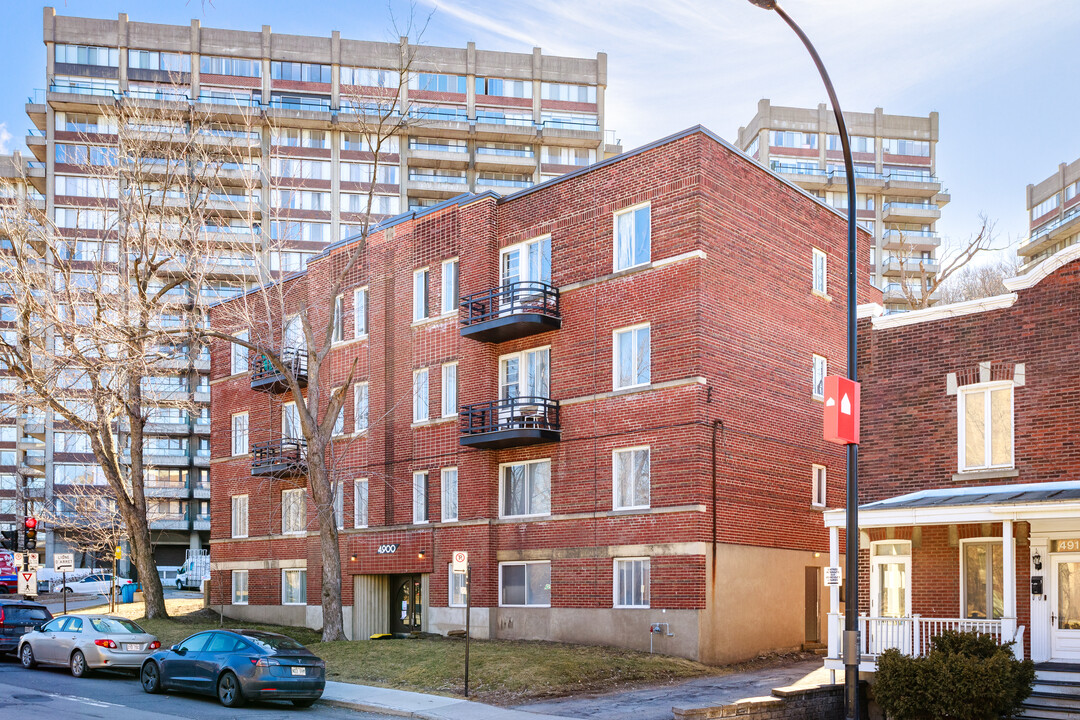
(1056, 694)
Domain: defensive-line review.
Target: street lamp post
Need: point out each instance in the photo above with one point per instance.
(851, 550)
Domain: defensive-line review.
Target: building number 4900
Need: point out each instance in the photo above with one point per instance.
(387, 549)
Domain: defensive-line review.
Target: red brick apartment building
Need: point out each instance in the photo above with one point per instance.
(968, 470)
(605, 388)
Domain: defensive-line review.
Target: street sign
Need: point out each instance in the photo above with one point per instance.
(63, 562)
(841, 410)
(18, 560)
(33, 562)
(459, 561)
(833, 577)
(27, 583)
(119, 553)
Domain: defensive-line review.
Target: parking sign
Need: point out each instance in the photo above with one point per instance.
(459, 561)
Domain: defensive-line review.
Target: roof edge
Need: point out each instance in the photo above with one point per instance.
(944, 312)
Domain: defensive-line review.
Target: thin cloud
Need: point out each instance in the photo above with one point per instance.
(5, 139)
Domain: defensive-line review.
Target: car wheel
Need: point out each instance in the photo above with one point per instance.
(179, 585)
(78, 664)
(26, 655)
(150, 678)
(67, 590)
(228, 691)
(303, 703)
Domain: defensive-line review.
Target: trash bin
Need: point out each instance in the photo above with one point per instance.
(127, 593)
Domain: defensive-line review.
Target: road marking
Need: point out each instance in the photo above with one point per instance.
(83, 700)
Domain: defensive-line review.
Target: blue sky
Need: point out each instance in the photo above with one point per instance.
(1001, 73)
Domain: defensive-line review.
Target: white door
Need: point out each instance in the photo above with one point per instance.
(890, 598)
(526, 266)
(523, 375)
(1065, 606)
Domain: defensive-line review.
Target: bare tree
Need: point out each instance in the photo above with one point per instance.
(979, 281)
(108, 293)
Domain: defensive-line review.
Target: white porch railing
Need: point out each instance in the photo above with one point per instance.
(912, 635)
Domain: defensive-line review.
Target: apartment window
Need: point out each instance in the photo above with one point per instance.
(789, 139)
(360, 406)
(526, 489)
(339, 319)
(449, 389)
(238, 359)
(631, 474)
(339, 422)
(983, 578)
(360, 319)
(817, 489)
(239, 587)
(525, 266)
(237, 67)
(985, 426)
(632, 582)
(420, 294)
(87, 55)
(290, 422)
(525, 583)
(896, 146)
(633, 362)
(525, 374)
(339, 505)
(420, 395)
(1045, 206)
(633, 237)
(419, 497)
(568, 93)
(360, 503)
(240, 434)
(239, 516)
(154, 60)
(821, 368)
(449, 494)
(457, 587)
(820, 265)
(438, 83)
(449, 286)
(294, 587)
(300, 72)
(504, 88)
(293, 511)
(369, 77)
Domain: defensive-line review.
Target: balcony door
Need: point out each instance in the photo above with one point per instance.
(1065, 607)
(290, 422)
(523, 375)
(294, 334)
(890, 597)
(525, 271)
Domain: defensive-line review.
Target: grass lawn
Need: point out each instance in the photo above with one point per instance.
(501, 671)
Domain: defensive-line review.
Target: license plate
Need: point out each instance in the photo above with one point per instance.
(132, 647)
(298, 671)
(28, 628)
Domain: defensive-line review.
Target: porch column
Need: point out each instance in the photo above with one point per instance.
(834, 626)
(1008, 558)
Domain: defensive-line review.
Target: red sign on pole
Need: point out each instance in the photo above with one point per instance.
(841, 410)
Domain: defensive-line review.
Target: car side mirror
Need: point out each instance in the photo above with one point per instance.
(177, 649)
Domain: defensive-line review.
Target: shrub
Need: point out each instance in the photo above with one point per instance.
(966, 676)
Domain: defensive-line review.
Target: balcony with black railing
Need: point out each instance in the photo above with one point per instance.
(286, 457)
(510, 422)
(267, 378)
(511, 311)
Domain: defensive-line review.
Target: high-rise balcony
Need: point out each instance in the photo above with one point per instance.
(267, 378)
(510, 311)
(913, 212)
(510, 422)
(282, 458)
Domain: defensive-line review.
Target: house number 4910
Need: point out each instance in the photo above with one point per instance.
(387, 549)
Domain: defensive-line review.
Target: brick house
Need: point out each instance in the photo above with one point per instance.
(970, 516)
(605, 388)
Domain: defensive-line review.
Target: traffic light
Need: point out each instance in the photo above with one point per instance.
(31, 534)
(9, 539)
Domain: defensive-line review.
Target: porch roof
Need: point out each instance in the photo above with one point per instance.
(987, 503)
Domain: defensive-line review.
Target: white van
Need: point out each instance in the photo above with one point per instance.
(195, 569)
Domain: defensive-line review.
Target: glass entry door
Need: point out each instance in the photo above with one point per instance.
(1065, 607)
(890, 598)
(406, 604)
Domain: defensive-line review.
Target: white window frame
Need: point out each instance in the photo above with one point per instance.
(339, 505)
(238, 574)
(615, 237)
(420, 492)
(615, 476)
(818, 372)
(285, 411)
(420, 288)
(616, 357)
(525, 562)
(449, 289)
(240, 509)
(238, 355)
(361, 390)
(360, 520)
(360, 315)
(525, 269)
(449, 389)
(819, 486)
(961, 426)
(240, 443)
(989, 581)
(292, 493)
(338, 335)
(452, 580)
(302, 585)
(444, 495)
(820, 272)
(616, 589)
(421, 396)
(339, 421)
(502, 488)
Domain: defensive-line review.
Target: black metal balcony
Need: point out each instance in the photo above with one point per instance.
(510, 311)
(286, 457)
(267, 378)
(511, 422)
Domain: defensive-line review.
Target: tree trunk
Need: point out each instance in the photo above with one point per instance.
(143, 553)
(333, 619)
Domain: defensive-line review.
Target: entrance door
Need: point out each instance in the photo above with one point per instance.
(1065, 607)
(890, 597)
(406, 604)
(812, 605)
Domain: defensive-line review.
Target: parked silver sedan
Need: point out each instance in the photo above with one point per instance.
(88, 642)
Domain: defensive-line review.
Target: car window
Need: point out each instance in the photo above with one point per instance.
(115, 625)
(270, 641)
(222, 642)
(74, 625)
(195, 643)
(25, 615)
(90, 578)
(53, 626)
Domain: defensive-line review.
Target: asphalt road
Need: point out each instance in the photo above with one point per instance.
(54, 693)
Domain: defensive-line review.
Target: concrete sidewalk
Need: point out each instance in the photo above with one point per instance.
(418, 705)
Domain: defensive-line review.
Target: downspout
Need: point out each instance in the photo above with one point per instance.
(716, 424)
